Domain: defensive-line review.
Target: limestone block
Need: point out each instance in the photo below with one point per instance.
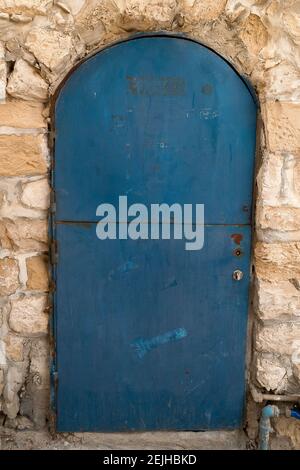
(52, 48)
(291, 21)
(277, 261)
(36, 194)
(28, 315)
(282, 125)
(22, 155)
(33, 7)
(283, 82)
(269, 372)
(269, 179)
(26, 83)
(24, 234)
(280, 338)
(98, 17)
(14, 347)
(236, 9)
(278, 218)
(75, 5)
(9, 276)
(146, 12)
(277, 299)
(196, 11)
(37, 272)
(14, 380)
(254, 34)
(22, 114)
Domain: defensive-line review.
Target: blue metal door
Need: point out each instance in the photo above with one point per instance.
(148, 334)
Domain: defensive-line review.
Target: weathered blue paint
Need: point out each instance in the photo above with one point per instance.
(159, 119)
(142, 345)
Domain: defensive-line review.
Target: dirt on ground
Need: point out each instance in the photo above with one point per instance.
(33, 440)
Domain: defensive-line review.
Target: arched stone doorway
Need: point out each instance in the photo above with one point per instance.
(158, 119)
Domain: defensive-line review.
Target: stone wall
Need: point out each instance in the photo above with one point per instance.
(41, 40)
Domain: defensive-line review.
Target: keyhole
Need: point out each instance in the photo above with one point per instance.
(237, 275)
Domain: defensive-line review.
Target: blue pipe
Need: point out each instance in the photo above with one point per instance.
(295, 414)
(268, 412)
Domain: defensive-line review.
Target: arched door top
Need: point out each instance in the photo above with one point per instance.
(129, 86)
(159, 34)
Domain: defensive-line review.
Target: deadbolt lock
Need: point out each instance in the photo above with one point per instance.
(237, 275)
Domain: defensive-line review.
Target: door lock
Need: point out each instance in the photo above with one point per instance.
(237, 275)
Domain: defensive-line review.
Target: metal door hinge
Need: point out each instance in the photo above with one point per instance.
(53, 252)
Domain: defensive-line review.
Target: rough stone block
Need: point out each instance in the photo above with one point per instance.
(36, 194)
(22, 155)
(52, 48)
(269, 179)
(280, 338)
(32, 7)
(278, 299)
(277, 261)
(196, 12)
(282, 125)
(22, 114)
(278, 218)
(283, 82)
(24, 234)
(28, 315)
(254, 34)
(270, 373)
(37, 272)
(14, 380)
(9, 276)
(26, 83)
(14, 347)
